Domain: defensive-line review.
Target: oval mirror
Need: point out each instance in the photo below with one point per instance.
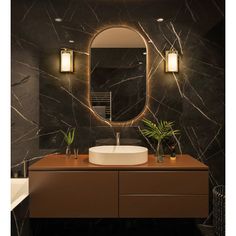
(118, 74)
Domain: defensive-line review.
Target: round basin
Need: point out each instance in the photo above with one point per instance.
(118, 155)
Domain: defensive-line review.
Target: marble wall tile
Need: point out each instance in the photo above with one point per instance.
(45, 100)
(20, 224)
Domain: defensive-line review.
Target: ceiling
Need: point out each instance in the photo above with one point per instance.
(34, 20)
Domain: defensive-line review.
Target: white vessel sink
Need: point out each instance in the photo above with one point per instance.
(118, 155)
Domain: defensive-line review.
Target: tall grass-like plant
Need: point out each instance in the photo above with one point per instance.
(158, 131)
(69, 139)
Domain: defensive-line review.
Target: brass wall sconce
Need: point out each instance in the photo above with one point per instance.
(67, 61)
(172, 62)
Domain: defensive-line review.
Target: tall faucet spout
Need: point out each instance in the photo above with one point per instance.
(117, 138)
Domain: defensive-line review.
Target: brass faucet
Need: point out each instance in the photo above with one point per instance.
(117, 138)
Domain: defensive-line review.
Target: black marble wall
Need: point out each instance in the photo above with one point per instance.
(20, 224)
(45, 100)
(24, 102)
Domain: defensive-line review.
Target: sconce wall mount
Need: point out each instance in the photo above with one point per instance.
(67, 60)
(171, 61)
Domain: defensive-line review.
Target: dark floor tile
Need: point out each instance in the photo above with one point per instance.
(114, 227)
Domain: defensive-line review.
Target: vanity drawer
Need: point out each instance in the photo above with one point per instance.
(163, 182)
(73, 194)
(163, 206)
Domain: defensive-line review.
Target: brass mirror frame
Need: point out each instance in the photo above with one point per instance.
(142, 113)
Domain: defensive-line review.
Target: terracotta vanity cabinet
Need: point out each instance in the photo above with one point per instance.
(163, 194)
(73, 194)
(62, 187)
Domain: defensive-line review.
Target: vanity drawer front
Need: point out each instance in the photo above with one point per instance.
(165, 206)
(72, 194)
(163, 182)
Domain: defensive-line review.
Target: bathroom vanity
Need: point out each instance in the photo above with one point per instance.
(62, 187)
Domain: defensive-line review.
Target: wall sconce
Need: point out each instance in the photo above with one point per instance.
(172, 62)
(67, 62)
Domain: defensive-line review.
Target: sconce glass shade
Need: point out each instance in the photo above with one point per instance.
(172, 63)
(67, 64)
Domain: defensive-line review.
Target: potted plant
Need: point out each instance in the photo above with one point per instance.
(159, 131)
(69, 139)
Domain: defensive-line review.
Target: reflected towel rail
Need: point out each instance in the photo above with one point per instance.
(100, 99)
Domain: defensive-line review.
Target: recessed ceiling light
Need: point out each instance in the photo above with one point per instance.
(160, 19)
(71, 41)
(58, 19)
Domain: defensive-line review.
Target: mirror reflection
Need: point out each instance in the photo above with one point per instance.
(118, 74)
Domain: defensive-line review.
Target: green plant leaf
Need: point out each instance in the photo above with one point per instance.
(69, 137)
(73, 135)
(158, 131)
(65, 136)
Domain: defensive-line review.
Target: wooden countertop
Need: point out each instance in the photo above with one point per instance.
(61, 162)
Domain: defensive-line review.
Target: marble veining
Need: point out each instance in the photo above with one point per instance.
(45, 100)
